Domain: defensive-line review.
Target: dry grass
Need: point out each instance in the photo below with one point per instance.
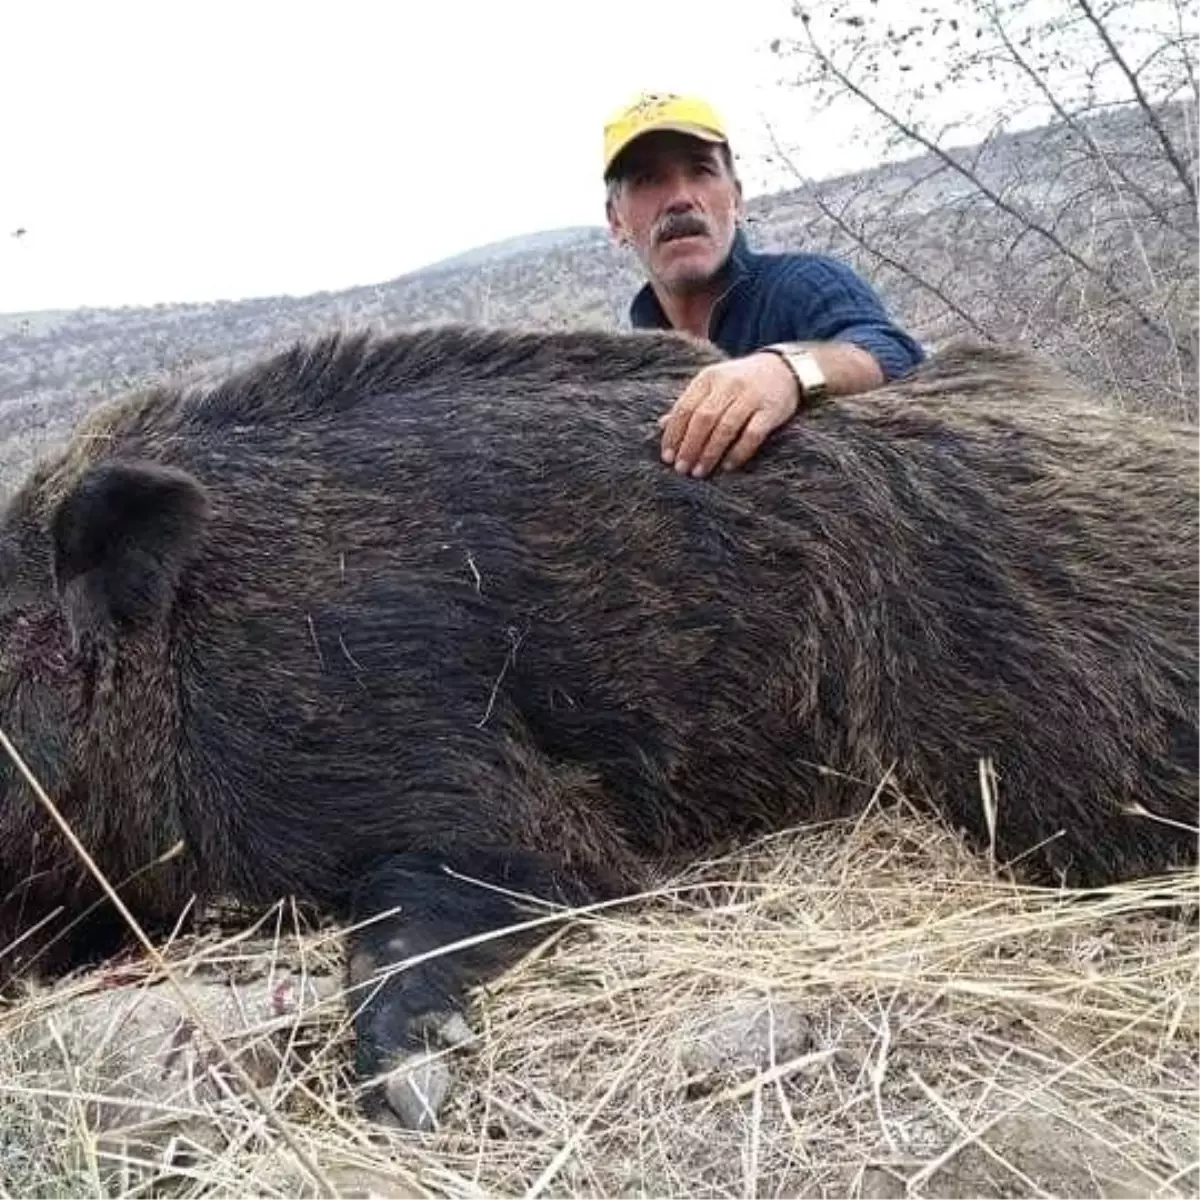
(845, 1011)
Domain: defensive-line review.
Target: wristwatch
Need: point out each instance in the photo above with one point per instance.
(803, 364)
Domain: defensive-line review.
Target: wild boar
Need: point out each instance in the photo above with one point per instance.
(379, 606)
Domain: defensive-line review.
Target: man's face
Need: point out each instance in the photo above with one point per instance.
(677, 204)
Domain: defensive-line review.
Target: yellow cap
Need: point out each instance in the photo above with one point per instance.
(652, 111)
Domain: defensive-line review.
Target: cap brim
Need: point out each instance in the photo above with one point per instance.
(702, 132)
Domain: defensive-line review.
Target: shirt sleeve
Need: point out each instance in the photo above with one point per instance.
(827, 301)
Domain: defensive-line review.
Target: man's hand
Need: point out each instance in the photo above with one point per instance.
(726, 413)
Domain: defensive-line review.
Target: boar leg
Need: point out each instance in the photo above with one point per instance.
(405, 1019)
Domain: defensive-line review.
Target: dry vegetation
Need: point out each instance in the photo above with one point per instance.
(1071, 226)
(864, 1011)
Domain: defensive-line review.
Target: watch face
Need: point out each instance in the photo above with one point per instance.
(810, 375)
(805, 368)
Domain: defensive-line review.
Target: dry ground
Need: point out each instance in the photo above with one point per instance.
(863, 1010)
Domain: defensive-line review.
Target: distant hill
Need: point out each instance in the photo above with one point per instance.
(944, 261)
(528, 243)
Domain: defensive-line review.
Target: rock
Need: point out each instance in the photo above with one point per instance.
(752, 1036)
(147, 1069)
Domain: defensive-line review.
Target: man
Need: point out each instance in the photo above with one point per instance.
(799, 326)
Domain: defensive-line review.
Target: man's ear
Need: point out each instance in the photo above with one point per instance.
(121, 539)
(615, 227)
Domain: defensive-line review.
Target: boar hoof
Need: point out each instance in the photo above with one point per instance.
(417, 1083)
(415, 1090)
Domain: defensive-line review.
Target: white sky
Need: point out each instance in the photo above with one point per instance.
(183, 150)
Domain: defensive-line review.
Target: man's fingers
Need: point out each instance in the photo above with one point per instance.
(749, 444)
(724, 433)
(675, 423)
(702, 426)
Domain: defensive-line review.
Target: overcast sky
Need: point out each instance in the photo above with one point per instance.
(186, 150)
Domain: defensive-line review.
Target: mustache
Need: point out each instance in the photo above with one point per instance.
(677, 225)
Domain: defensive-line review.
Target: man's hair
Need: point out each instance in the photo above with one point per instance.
(616, 174)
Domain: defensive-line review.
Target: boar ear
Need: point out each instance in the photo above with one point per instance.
(122, 537)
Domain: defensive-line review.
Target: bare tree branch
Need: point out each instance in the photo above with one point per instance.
(882, 256)
(1147, 108)
(915, 135)
(1079, 130)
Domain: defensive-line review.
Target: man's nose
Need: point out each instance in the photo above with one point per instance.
(680, 195)
(680, 202)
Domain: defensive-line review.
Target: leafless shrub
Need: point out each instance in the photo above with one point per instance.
(1080, 237)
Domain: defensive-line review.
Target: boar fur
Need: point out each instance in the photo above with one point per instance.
(383, 612)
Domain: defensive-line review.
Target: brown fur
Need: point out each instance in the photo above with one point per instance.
(378, 605)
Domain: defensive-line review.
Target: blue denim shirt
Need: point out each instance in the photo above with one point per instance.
(793, 298)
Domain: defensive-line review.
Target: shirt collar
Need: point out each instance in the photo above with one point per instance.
(646, 313)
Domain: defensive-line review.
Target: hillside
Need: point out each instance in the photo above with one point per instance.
(945, 262)
(524, 244)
